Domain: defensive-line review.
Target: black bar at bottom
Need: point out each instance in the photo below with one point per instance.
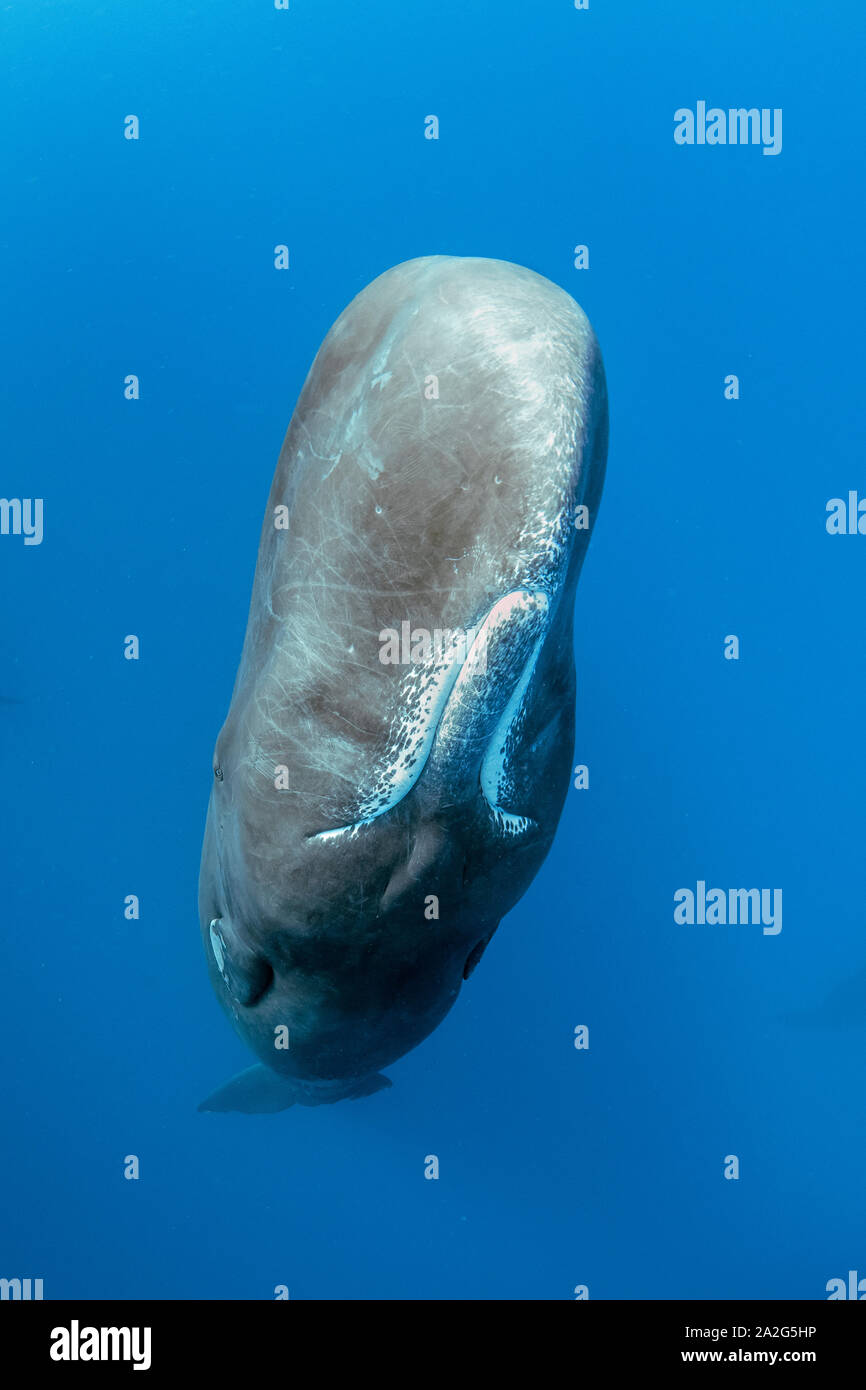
(63, 1338)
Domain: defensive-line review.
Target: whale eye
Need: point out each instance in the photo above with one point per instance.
(218, 772)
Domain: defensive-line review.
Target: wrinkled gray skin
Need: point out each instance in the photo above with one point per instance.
(405, 782)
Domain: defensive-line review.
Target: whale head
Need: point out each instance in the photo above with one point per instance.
(345, 958)
(398, 746)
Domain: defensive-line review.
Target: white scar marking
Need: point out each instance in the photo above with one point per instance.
(442, 709)
(217, 945)
(495, 782)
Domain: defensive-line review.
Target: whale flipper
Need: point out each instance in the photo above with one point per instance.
(256, 1091)
(260, 1091)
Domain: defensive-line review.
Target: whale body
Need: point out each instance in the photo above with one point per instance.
(398, 746)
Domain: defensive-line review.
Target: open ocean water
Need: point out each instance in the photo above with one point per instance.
(560, 1168)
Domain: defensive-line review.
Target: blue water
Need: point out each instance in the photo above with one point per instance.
(558, 1167)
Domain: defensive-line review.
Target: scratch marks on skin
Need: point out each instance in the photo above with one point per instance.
(350, 554)
(376, 375)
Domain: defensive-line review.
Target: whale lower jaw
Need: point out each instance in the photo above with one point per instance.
(260, 1091)
(474, 698)
(506, 823)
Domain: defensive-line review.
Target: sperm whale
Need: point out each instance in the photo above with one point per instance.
(397, 750)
